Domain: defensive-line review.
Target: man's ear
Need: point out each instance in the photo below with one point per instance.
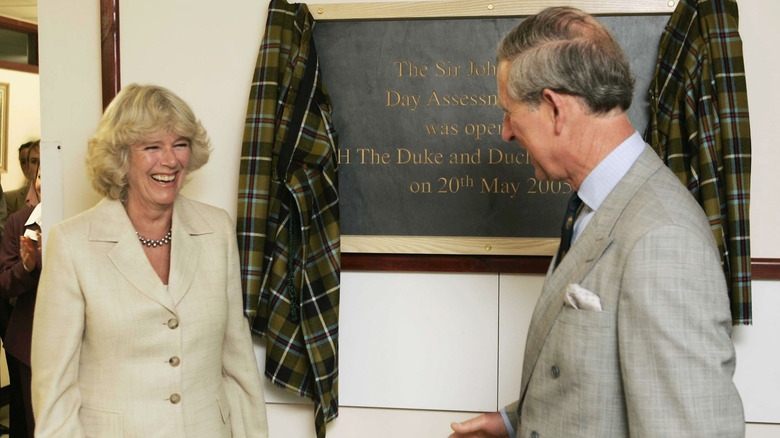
(559, 107)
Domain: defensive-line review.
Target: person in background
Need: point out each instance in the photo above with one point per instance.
(139, 329)
(3, 210)
(630, 336)
(20, 268)
(29, 158)
(11, 202)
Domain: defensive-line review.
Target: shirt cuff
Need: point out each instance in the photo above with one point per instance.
(509, 429)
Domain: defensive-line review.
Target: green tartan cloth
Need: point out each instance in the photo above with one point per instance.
(700, 127)
(288, 216)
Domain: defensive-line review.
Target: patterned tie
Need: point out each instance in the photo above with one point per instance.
(568, 227)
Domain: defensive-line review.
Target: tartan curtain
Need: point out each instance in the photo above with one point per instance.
(288, 216)
(700, 127)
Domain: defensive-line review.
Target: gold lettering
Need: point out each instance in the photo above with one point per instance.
(446, 69)
(466, 158)
(481, 70)
(343, 157)
(405, 156)
(479, 130)
(408, 69)
(394, 98)
(500, 187)
(497, 156)
(441, 128)
(464, 100)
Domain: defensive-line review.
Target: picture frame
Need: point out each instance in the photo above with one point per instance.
(4, 88)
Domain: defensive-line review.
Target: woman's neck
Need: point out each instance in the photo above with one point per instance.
(151, 223)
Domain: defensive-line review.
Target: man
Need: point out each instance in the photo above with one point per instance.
(631, 333)
(29, 158)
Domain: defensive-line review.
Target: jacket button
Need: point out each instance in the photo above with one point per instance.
(174, 361)
(175, 398)
(173, 323)
(555, 371)
(534, 434)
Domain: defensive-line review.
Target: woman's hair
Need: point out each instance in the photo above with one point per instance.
(567, 51)
(136, 113)
(34, 145)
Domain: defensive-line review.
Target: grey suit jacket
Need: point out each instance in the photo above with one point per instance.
(658, 360)
(116, 354)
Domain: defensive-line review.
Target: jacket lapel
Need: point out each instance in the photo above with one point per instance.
(581, 258)
(186, 249)
(111, 224)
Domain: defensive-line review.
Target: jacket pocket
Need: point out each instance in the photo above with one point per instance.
(99, 423)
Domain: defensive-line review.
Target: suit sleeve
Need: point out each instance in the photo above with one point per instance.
(58, 326)
(14, 279)
(240, 373)
(674, 325)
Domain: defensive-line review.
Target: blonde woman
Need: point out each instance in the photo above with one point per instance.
(139, 329)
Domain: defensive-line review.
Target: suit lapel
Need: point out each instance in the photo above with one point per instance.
(186, 250)
(111, 224)
(573, 268)
(581, 258)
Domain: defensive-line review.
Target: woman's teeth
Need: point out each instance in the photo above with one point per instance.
(163, 178)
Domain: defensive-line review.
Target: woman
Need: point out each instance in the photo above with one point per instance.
(20, 267)
(139, 329)
(29, 157)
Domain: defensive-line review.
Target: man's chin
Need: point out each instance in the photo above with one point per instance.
(541, 176)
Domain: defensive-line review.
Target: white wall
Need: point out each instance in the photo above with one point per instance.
(207, 55)
(24, 120)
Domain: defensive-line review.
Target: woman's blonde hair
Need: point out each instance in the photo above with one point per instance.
(136, 113)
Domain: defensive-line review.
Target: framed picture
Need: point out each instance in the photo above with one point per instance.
(3, 127)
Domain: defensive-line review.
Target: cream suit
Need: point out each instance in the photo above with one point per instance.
(658, 359)
(116, 354)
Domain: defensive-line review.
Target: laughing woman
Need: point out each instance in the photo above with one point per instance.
(139, 329)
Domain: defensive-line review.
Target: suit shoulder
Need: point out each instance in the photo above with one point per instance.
(201, 216)
(203, 209)
(664, 199)
(78, 221)
(20, 216)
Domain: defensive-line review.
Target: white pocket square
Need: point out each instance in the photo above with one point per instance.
(578, 297)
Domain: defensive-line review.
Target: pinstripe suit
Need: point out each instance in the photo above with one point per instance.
(658, 359)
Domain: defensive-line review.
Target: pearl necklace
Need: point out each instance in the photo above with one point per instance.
(155, 243)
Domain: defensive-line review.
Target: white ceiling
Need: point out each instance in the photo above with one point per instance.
(22, 10)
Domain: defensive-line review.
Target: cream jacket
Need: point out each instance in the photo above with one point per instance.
(117, 354)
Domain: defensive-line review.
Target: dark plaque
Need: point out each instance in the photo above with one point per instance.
(421, 152)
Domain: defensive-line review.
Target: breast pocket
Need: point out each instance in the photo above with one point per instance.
(586, 318)
(100, 424)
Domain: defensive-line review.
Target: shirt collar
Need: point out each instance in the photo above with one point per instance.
(601, 180)
(35, 216)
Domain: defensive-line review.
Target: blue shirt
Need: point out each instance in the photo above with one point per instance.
(604, 177)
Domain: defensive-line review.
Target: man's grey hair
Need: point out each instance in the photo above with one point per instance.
(568, 51)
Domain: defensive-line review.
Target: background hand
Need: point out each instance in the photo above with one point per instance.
(28, 250)
(490, 425)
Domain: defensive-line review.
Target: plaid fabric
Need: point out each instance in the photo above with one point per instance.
(700, 127)
(288, 224)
